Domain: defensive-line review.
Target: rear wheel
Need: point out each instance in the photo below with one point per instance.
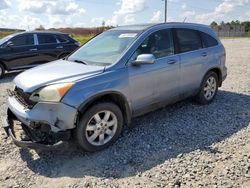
(209, 88)
(2, 71)
(99, 127)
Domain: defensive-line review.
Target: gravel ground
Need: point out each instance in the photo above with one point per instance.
(183, 145)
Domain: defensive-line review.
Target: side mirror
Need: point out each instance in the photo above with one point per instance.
(9, 44)
(144, 59)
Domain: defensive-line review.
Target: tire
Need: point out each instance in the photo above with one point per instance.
(94, 134)
(2, 71)
(203, 97)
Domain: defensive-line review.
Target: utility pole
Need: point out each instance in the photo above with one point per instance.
(166, 10)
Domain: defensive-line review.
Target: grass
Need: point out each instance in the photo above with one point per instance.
(5, 33)
(82, 38)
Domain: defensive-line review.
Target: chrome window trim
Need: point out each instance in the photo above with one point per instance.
(36, 39)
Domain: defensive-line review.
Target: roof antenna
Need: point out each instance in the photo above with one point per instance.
(184, 19)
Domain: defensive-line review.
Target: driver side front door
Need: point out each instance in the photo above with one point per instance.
(154, 85)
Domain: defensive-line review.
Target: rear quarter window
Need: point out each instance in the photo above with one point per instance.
(188, 40)
(208, 41)
(62, 38)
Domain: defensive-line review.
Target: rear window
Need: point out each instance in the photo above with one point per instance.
(23, 40)
(46, 39)
(189, 40)
(62, 38)
(208, 41)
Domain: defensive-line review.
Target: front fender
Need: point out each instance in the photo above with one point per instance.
(107, 82)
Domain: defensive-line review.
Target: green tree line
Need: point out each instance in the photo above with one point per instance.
(245, 24)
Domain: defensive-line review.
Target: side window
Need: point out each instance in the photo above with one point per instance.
(62, 38)
(160, 44)
(189, 40)
(208, 41)
(23, 40)
(46, 39)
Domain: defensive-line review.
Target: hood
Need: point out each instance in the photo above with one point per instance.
(54, 72)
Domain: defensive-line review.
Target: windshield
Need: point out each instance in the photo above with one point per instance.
(105, 49)
(3, 40)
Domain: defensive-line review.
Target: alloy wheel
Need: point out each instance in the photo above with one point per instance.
(210, 88)
(101, 128)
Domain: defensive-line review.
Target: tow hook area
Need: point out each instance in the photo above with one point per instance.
(36, 136)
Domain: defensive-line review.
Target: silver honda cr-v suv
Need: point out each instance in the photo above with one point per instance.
(122, 73)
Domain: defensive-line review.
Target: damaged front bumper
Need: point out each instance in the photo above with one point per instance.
(35, 137)
(47, 126)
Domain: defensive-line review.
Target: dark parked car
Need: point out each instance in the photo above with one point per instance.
(28, 49)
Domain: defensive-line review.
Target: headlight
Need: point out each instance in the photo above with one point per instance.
(51, 93)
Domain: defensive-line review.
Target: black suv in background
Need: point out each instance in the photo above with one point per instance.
(28, 49)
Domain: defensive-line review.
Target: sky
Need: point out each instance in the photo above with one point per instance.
(30, 14)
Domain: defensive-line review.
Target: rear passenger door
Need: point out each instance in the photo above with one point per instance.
(212, 55)
(193, 59)
(49, 49)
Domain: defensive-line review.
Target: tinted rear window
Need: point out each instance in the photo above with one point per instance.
(62, 38)
(23, 40)
(189, 40)
(208, 41)
(46, 39)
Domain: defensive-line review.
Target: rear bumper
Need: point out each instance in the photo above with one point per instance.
(224, 75)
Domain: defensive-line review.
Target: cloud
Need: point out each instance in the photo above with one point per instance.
(4, 4)
(157, 17)
(56, 7)
(129, 19)
(126, 12)
(29, 22)
(188, 14)
(26, 22)
(54, 13)
(97, 19)
(184, 6)
(219, 12)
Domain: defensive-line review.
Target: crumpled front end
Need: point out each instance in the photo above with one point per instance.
(40, 126)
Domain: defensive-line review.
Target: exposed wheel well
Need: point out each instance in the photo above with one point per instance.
(115, 98)
(218, 72)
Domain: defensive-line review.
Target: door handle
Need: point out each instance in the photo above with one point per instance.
(59, 47)
(32, 50)
(171, 61)
(204, 54)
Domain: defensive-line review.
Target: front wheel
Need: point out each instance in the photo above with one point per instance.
(208, 89)
(99, 127)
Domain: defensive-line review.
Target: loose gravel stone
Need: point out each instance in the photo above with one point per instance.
(182, 145)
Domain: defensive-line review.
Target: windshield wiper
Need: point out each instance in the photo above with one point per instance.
(79, 61)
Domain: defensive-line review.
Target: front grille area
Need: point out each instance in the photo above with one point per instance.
(22, 97)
